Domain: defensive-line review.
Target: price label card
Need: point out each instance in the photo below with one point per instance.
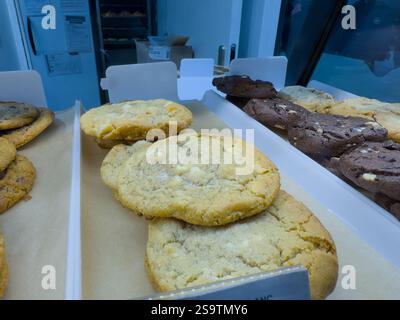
(283, 284)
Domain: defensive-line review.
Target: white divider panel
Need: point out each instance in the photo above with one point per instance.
(197, 68)
(268, 69)
(141, 82)
(73, 277)
(196, 77)
(27, 85)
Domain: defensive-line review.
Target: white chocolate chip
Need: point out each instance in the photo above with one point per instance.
(280, 126)
(369, 176)
(374, 124)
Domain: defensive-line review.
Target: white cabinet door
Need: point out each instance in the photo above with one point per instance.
(209, 24)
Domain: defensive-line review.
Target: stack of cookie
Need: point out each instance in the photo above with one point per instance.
(240, 90)
(131, 121)
(20, 123)
(16, 181)
(213, 221)
(346, 137)
(17, 175)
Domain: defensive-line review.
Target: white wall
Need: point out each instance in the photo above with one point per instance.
(209, 23)
(259, 28)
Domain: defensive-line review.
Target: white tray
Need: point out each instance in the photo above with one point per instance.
(372, 228)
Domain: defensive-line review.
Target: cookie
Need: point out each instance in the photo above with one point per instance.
(16, 183)
(375, 167)
(115, 160)
(390, 205)
(7, 153)
(273, 113)
(324, 136)
(109, 144)
(391, 122)
(239, 102)
(3, 267)
(132, 120)
(22, 136)
(386, 114)
(15, 115)
(228, 186)
(355, 107)
(179, 255)
(244, 87)
(312, 99)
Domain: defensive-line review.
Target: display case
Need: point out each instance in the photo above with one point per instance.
(310, 91)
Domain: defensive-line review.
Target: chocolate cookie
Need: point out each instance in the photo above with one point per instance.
(375, 167)
(244, 87)
(323, 136)
(390, 205)
(238, 102)
(274, 113)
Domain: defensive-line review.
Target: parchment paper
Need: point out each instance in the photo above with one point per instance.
(36, 230)
(114, 239)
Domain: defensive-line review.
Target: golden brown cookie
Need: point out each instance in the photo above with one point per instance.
(22, 136)
(132, 120)
(207, 180)
(391, 122)
(386, 114)
(15, 115)
(17, 182)
(355, 107)
(7, 153)
(180, 255)
(3, 267)
(109, 144)
(312, 99)
(115, 160)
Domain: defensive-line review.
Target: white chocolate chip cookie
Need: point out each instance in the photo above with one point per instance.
(179, 255)
(132, 120)
(199, 188)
